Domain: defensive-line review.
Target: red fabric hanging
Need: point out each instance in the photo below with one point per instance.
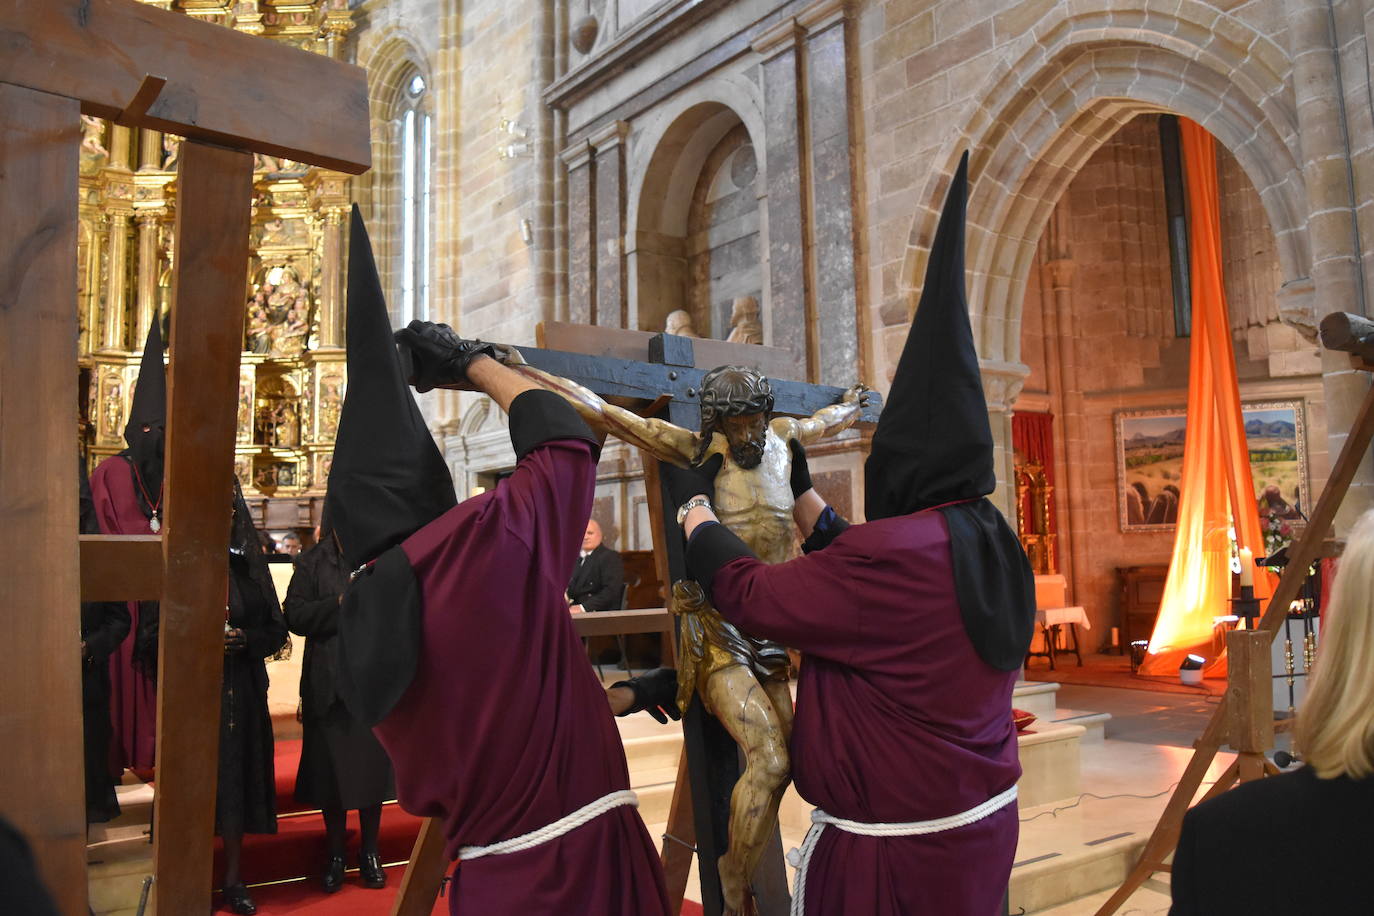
(1032, 436)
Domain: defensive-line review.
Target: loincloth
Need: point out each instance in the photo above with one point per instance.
(709, 643)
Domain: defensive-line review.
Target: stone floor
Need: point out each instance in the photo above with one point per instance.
(1126, 781)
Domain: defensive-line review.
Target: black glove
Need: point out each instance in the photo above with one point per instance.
(655, 693)
(801, 473)
(684, 483)
(433, 355)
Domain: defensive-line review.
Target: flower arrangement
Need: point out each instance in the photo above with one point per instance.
(1278, 532)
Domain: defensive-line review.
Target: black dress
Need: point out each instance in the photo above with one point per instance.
(246, 795)
(343, 766)
(1287, 844)
(104, 624)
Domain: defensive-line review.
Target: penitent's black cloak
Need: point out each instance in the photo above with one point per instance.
(387, 481)
(933, 448)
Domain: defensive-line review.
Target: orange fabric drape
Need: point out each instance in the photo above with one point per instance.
(1217, 486)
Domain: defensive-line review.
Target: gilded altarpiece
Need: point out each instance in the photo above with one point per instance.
(293, 373)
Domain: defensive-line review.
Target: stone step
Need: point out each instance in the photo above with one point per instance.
(1095, 723)
(1051, 879)
(1049, 763)
(1036, 698)
(115, 872)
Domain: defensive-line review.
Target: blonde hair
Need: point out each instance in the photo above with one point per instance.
(1335, 730)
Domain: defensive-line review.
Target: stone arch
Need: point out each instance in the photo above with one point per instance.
(665, 164)
(1058, 97)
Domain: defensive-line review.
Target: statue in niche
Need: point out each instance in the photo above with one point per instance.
(113, 408)
(93, 151)
(171, 152)
(278, 319)
(286, 428)
(679, 322)
(744, 321)
(258, 338)
(754, 499)
(331, 402)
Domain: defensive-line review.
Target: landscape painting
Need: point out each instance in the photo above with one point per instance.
(1150, 462)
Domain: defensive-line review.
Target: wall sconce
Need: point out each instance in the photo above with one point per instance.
(527, 231)
(514, 128)
(516, 150)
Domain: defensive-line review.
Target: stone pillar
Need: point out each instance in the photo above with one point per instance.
(785, 310)
(1002, 383)
(1336, 265)
(149, 223)
(581, 233)
(609, 225)
(1070, 455)
(832, 209)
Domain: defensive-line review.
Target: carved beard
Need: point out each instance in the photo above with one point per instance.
(748, 454)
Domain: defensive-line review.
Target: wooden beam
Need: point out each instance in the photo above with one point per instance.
(622, 343)
(622, 378)
(40, 728)
(121, 567)
(612, 623)
(214, 188)
(424, 875)
(222, 86)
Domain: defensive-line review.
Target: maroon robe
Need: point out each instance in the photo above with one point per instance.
(133, 697)
(897, 717)
(504, 728)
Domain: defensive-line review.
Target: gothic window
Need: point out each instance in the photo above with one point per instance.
(414, 240)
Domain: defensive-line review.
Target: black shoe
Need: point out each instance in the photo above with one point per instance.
(370, 870)
(333, 876)
(236, 897)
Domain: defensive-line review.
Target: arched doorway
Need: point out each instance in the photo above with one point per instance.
(698, 238)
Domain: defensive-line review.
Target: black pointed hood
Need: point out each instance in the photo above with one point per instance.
(933, 444)
(933, 449)
(149, 409)
(388, 479)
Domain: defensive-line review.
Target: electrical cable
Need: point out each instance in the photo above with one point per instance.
(1054, 812)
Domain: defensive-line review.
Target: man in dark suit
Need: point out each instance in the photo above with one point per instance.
(598, 579)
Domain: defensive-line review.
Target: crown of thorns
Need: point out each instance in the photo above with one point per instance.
(732, 391)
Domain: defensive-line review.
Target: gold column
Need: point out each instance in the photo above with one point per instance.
(149, 223)
(149, 150)
(329, 199)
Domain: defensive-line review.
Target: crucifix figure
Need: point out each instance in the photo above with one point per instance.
(742, 680)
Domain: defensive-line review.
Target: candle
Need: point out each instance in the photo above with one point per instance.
(1247, 567)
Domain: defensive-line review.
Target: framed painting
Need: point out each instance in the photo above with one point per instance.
(1149, 462)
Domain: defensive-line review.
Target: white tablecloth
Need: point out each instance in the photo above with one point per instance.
(1054, 616)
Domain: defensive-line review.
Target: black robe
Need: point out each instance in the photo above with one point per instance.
(104, 624)
(342, 763)
(246, 794)
(598, 580)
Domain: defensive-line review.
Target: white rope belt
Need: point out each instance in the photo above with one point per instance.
(801, 858)
(552, 831)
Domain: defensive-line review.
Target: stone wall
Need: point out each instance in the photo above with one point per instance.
(1099, 337)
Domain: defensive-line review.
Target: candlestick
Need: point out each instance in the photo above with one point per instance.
(1247, 566)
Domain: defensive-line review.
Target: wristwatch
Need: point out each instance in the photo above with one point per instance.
(689, 505)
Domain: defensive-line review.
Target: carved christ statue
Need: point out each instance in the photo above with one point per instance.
(742, 680)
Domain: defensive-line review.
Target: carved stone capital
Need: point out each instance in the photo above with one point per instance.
(577, 155)
(1297, 301)
(609, 136)
(1002, 383)
(780, 38)
(821, 15)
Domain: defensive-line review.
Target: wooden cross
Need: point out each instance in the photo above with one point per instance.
(611, 363)
(1245, 716)
(220, 89)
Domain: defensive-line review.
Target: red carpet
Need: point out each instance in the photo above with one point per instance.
(297, 850)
